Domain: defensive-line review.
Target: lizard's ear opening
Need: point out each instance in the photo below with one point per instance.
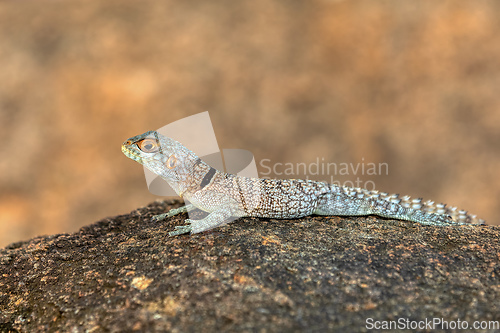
(171, 162)
(148, 145)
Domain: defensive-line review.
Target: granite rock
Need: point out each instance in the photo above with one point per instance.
(124, 273)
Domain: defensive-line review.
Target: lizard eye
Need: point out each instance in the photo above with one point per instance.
(171, 162)
(148, 145)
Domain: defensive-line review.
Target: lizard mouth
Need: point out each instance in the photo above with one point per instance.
(130, 152)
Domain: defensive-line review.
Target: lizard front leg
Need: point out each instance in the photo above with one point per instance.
(217, 218)
(173, 211)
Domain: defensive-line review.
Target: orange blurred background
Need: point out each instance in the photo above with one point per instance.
(411, 84)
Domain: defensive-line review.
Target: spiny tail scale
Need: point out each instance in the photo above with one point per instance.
(429, 207)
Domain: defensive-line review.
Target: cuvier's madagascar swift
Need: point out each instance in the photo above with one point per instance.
(224, 195)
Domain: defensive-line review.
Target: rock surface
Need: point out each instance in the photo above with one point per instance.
(312, 274)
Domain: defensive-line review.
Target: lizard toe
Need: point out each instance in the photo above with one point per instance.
(160, 217)
(179, 230)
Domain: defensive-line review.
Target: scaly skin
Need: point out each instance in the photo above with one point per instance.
(226, 197)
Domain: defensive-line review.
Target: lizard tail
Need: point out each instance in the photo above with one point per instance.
(430, 207)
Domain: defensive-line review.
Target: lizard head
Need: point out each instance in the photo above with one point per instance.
(160, 154)
(142, 148)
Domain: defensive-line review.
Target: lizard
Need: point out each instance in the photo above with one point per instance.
(224, 196)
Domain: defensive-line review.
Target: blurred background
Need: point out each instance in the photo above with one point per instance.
(411, 84)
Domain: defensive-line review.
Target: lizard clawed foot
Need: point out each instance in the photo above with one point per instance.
(160, 217)
(182, 229)
(179, 230)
